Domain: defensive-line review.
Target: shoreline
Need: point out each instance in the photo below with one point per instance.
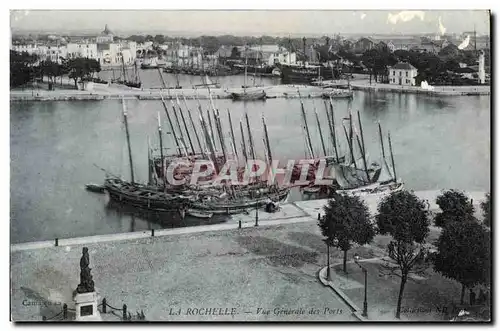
(293, 212)
(445, 90)
(273, 92)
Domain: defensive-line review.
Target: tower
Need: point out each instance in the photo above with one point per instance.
(481, 73)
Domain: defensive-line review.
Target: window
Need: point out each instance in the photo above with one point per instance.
(407, 74)
(394, 72)
(400, 74)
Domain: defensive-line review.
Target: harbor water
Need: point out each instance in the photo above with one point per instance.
(58, 147)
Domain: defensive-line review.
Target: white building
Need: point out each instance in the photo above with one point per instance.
(402, 74)
(283, 58)
(87, 50)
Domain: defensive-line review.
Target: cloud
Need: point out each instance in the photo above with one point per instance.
(405, 16)
(442, 29)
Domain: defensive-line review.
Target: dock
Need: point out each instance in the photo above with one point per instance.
(115, 92)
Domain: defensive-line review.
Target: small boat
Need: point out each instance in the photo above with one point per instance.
(96, 188)
(276, 72)
(199, 213)
(374, 189)
(247, 96)
(311, 189)
(337, 94)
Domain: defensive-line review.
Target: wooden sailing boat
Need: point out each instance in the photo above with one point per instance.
(373, 179)
(248, 95)
(139, 195)
(136, 83)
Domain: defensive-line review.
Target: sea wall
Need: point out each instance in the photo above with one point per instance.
(436, 90)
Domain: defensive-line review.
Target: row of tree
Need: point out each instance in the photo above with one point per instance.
(24, 68)
(463, 248)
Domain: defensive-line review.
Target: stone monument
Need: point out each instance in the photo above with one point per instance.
(85, 295)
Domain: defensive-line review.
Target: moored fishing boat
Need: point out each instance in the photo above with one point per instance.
(337, 94)
(248, 95)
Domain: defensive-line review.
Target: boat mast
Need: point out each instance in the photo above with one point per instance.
(331, 118)
(161, 152)
(150, 173)
(349, 139)
(268, 146)
(364, 159)
(392, 157)
(218, 126)
(209, 142)
(232, 133)
(211, 130)
(250, 139)
(361, 132)
(194, 128)
(177, 121)
(243, 142)
(381, 140)
(171, 124)
(128, 141)
(319, 129)
(306, 126)
(185, 126)
(164, 85)
(362, 145)
(350, 147)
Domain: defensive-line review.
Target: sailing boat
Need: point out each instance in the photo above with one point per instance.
(141, 195)
(247, 95)
(136, 83)
(383, 183)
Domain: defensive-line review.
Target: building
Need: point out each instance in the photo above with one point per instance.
(87, 50)
(402, 73)
(106, 36)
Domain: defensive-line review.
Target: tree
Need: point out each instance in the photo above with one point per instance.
(464, 254)
(346, 221)
(235, 53)
(159, 39)
(404, 217)
(455, 206)
(486, 208)
(22, 68)
(82, 68)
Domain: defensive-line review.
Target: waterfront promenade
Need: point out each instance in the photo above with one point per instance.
(273, 265)
(113, 91)
(117, 92)
(365, 85)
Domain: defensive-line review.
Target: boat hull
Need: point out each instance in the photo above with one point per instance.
(296, 74)
(374, 189)
(236, 207)
(248, 96)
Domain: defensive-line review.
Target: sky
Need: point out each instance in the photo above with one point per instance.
(277, 22)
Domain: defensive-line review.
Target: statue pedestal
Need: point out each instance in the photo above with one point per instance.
(86, 307)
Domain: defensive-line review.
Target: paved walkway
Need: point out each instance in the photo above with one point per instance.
(263, 273)
(427, 297)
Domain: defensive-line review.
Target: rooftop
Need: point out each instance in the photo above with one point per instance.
(403, 66)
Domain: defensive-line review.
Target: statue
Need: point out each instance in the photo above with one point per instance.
(86, 283)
